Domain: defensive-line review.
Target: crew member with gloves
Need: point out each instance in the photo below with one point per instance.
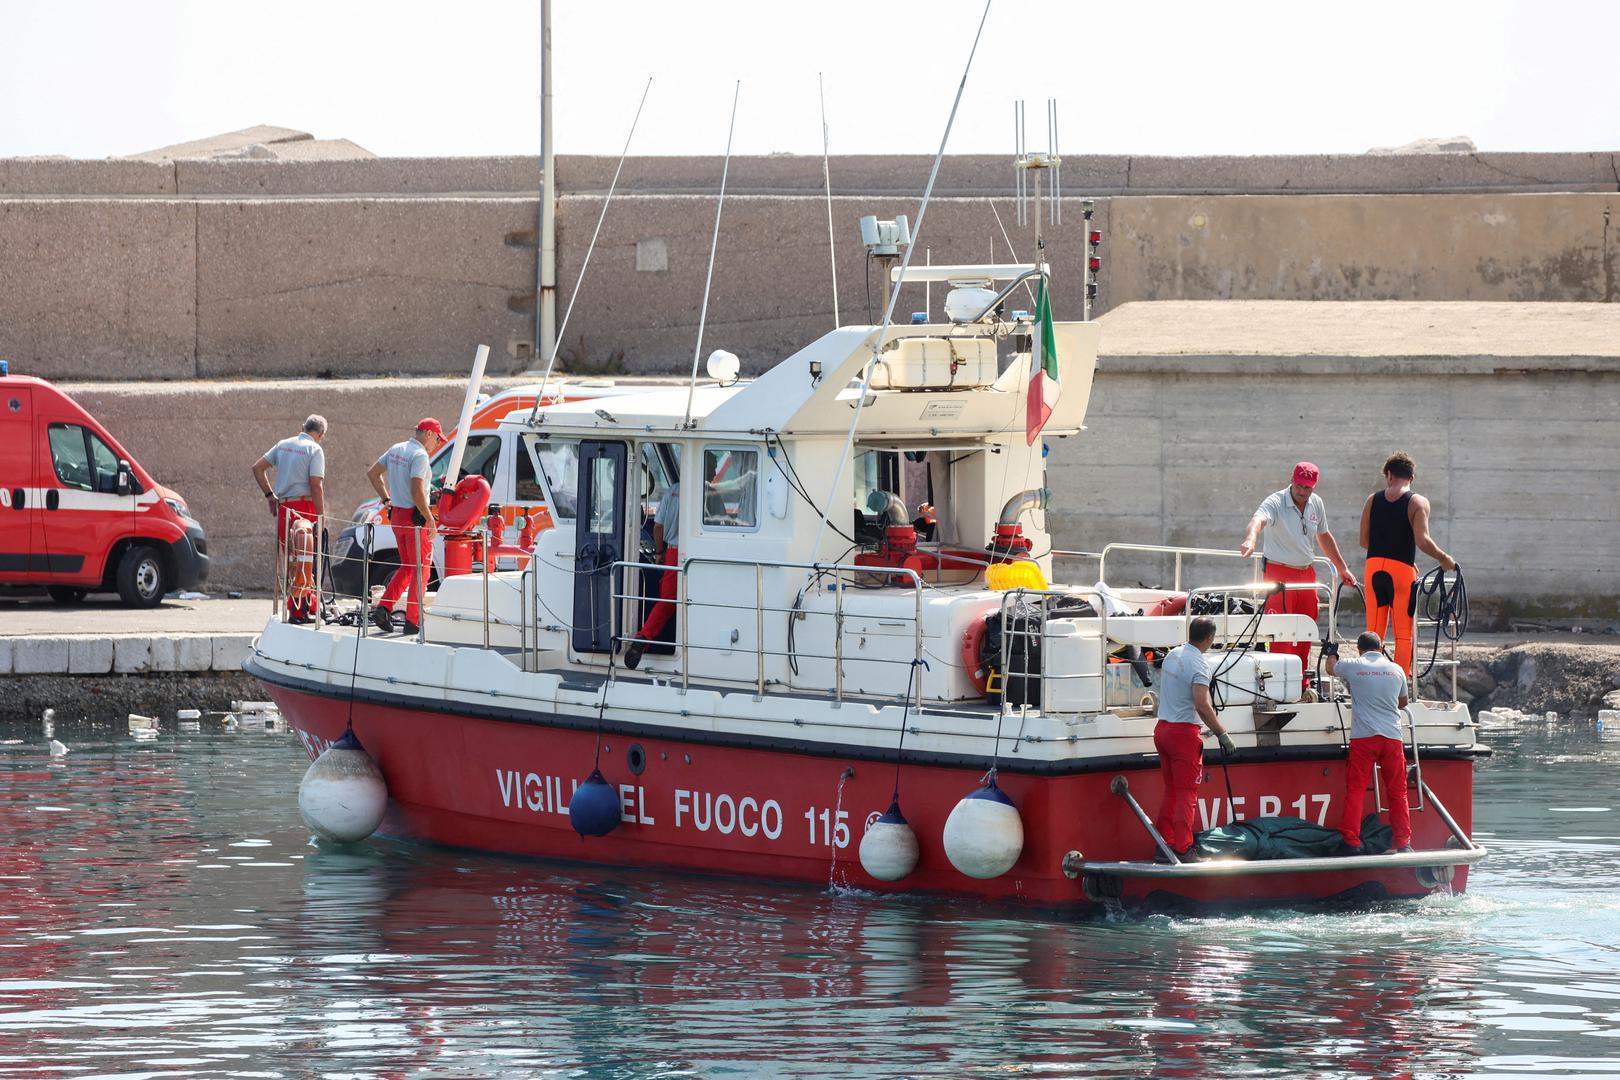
(1394, 527)
(1377, 696)
(297, 493)
(1184, 701)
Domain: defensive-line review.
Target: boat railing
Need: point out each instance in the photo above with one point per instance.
(843, 577)
(1179, 552)
(1034, 628)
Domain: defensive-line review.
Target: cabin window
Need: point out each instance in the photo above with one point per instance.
(730, 486)
(558, 463)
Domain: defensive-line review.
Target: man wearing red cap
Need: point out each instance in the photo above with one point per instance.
(1295, 522)
(401, 477)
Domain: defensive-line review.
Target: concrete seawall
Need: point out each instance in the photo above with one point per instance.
(216, 269)
(1199, 409)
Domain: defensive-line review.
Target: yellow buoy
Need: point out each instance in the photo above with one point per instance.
(1014, 575)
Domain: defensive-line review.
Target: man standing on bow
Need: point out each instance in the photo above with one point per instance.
(1394, 527)
(1295, 522)
(401, 477)
(1377, 696)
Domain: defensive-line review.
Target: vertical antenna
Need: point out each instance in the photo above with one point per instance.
(826, 176)
(545, 247)
(1027, 192)
(714, 244)
(556, 343)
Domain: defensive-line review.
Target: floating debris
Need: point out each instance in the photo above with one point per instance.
(58, 749)
(188, 714)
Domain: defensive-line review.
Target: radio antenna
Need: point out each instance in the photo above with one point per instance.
(1028, 166)
(888, 311)
(714, 244)
(557, 343)
(826, 176)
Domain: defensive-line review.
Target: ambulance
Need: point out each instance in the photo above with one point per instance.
(78, 513)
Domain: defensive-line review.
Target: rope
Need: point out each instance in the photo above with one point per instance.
(1446, 604)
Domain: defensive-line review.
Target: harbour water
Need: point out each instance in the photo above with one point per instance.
(163, 914)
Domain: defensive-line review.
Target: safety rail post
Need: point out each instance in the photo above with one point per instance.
(365, 578)
(683, 623)
(1121, 787)
(484, 546)
(759, 631)
(838, 637)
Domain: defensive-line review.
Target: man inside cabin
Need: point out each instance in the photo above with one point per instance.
(1294, 521)
(1377, 695)
(666, 543)
(1394, 526)
(1184, 702)
(299, 464)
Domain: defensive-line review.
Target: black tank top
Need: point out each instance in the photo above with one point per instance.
(1389, 530)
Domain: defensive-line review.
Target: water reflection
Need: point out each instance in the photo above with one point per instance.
(162, 913)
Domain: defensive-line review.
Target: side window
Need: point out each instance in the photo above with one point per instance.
(528, 481)
(105, 464)
(483, 454)
(730, 481)
(558, 463)
(70, 457)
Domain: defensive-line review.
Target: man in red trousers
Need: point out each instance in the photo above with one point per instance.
(1183, 702)
(1377, 695)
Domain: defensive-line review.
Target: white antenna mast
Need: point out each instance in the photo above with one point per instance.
(1028, 194)
(714, 244)
(888, 311)
(826, 176)
(551, 362)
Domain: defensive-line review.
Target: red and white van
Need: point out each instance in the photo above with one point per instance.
(78, 514)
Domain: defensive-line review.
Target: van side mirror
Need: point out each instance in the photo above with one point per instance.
(126, 482)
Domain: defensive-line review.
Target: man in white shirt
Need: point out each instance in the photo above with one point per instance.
(1377, 695)
(401, 477)
(1183, 702)
(1294, 521)
(298, 491)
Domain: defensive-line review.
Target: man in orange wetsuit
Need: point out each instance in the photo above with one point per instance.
(401, 477)
(1294, 521)
(1394, 526)
(1184, 702)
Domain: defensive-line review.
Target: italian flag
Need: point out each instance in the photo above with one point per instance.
(1043, 369)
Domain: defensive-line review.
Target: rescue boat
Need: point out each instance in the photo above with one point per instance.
(850, 692)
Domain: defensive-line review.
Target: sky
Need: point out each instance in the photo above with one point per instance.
(101, 78)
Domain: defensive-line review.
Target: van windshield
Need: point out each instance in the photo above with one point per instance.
(482, 457)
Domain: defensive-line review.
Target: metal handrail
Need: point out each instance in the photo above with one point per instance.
(1044, 597)
(1178, 552)
(839, 587)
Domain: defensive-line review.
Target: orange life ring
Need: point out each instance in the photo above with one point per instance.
(1170, 605)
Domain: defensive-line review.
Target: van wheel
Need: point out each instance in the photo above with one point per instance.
(66, 594)
(142, 578)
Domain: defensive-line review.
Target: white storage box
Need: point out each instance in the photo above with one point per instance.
(934, 363)
(1276, 676)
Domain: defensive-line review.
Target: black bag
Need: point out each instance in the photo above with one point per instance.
(1221, 604)
(1021, 682)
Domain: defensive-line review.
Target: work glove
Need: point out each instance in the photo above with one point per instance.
(1227, 745)
(1330, 648)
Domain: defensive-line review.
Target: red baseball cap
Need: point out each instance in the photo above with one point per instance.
(1306, 474)
(427, 423)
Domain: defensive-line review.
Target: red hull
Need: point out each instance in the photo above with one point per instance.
(503, 786)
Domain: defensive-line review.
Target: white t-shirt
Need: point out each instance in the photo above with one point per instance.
(404, 461)
(1290, 533)
(1376, 684)
(296, 459)
(668, 515)
(1184, 668)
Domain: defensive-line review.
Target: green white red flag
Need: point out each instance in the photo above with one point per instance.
(1043, 369)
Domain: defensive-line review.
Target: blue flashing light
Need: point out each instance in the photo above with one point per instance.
(5, 368)
(1020, 314)
(1046, 448)
(918, 318)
